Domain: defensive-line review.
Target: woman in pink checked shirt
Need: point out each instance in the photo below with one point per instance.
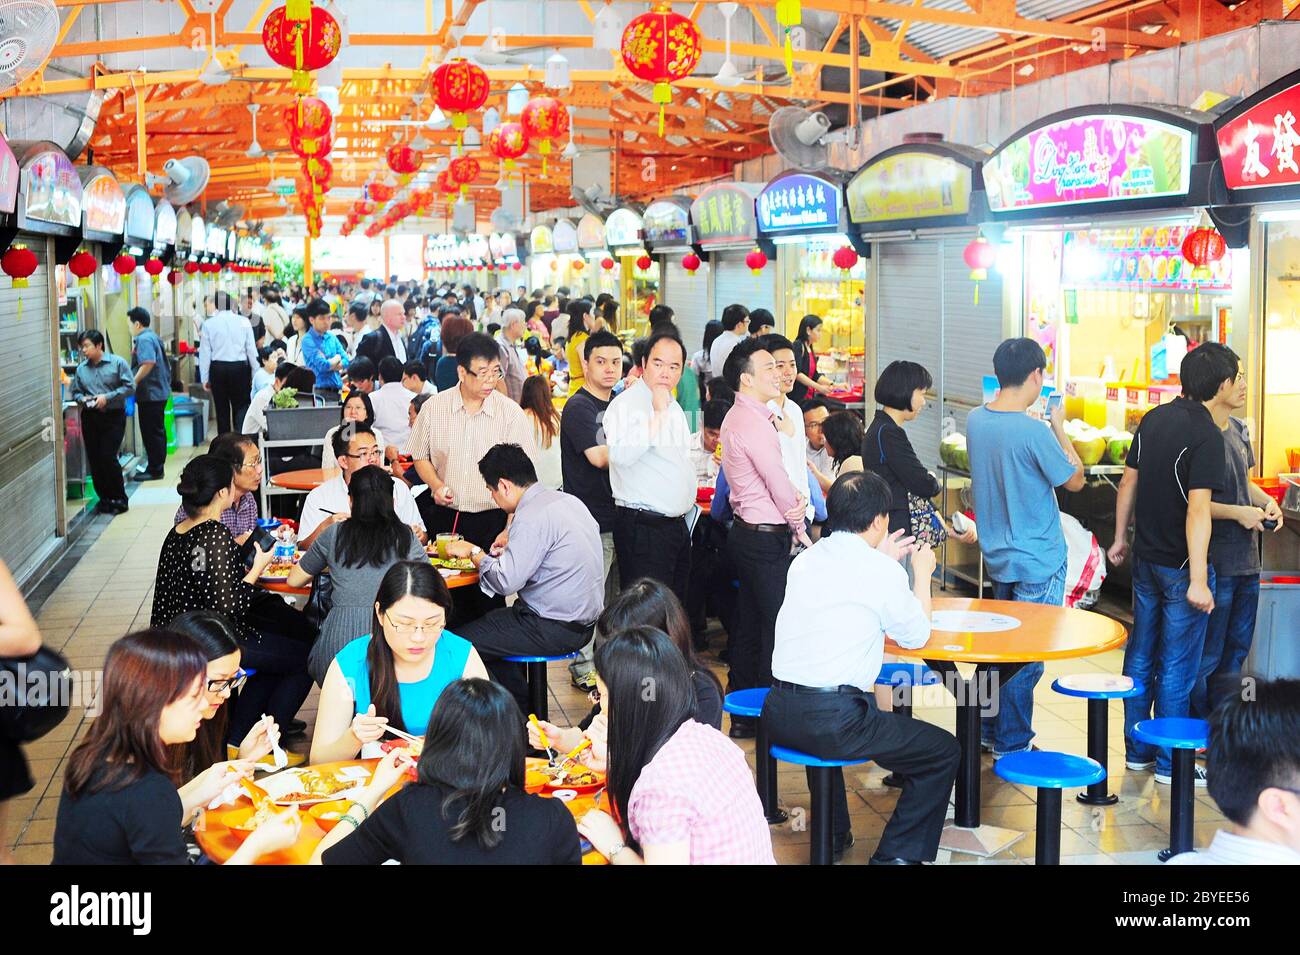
(680, 791)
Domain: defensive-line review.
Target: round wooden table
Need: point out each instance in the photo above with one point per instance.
(1043, 633)
(305, 480)
(218, 844)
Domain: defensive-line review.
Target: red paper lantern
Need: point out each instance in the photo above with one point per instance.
(19, 263)
(306, 146)
(458, 87)
(644, 262)
(845, 258)
(309, 117)
(544, 118)
(446, 185)
(302, 45)
(191, 268)
(1203, 246)
(690, 262)
(83, 266)
(607, 264)
(980, 256)
(404, 160)
(577, 265)
(124, 264)
(155, 269)
(756, 261)
(508, 142)
(661, 47)
(380, 192)
(174, 277)
(518, 266)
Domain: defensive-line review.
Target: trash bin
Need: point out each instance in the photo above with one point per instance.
(1275, 654)
(169, 425)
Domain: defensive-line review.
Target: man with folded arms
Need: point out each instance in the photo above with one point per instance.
(845, 593)
(768, 514)
(552, 560)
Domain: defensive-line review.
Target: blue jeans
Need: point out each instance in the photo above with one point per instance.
(1227, 638)
(1011, 730)
(1163, 652)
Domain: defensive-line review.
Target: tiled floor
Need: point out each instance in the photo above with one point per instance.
(110, 592)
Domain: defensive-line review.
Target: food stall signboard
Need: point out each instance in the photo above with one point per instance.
(667, 223)
(232, 246)
(623, 229)
(724, 215)
(198, 235)
(1258, 143)
(797, 203)
(103, 206)
(139, 215)
(591, 232)
(909, 185)
(564, 237)
(1090, 159)
(164, 224)
(541, 241)
(52, 189)
(8, 178)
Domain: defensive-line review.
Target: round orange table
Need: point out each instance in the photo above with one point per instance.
(1043, 633)
(219, 844)
(463, 579)
(305, 480)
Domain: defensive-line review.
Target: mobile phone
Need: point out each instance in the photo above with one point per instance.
(1054, 401)
(1270, 525)
(264, 540)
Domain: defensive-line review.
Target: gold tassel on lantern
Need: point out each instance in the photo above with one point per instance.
(788, 15)
(663, 94)
(297, 9)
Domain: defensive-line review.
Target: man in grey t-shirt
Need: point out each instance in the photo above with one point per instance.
(1238, 513)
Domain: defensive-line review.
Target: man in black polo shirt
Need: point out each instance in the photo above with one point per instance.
(1175, 464)
(584, 459)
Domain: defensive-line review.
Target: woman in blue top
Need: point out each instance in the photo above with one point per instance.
(375, 683)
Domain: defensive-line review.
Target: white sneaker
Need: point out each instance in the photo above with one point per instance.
(1199, 777)
(1139, 766)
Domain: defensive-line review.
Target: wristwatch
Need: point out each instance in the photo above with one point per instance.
(614, 851)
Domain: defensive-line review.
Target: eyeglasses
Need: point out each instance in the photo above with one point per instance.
(429, 628)
(366, 453)
(251, 465)
(231, 683)
(488, 375)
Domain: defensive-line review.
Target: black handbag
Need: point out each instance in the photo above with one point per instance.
(320, 601)
(34, 694)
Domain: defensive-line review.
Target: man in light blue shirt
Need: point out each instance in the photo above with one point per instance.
(1017, 462)
(153, 386)
(323, 353)
(227, 359)
(101, 384)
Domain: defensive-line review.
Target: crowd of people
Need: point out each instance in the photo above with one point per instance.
(588, 539)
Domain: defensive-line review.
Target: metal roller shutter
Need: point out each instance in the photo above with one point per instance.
(734, 282)
(971, 332)
(688, 296)
(909, 309)
(28, 493)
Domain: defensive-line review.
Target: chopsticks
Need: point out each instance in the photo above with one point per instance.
(401, 734)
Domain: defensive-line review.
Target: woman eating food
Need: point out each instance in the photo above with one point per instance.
(393, 675)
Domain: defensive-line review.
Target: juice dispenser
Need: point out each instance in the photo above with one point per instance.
(1137, 404)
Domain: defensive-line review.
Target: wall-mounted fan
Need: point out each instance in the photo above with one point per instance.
(803, 138)
(184, 179)
(27, 32)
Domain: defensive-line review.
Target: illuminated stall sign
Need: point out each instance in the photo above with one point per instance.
(232, 246)
(913, 183)
(8, 178)
(796, 203)
(1102, 158)
(103, 204)
(216, 244)
(503, 247)
(623, 230)
(723, 216)
(139, 218)
(164, 225)
(541, 241)
(564, 237)
(198, 236)
(667, 224)
(184, 232)
(1259, 144)
(591, 232)
(50, 188)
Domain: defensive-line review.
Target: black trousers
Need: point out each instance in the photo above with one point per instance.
(102, 432)
(849, 726)
(649, 545)
(711, 592)
(482, 528)
(154, 433)
(231, 382)
(278, 652)
(517, 631)
(762, 561)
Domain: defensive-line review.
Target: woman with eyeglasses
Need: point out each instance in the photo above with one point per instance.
(357, 552)
(242, 453)
(120, 804)
(470, 777)
(394, 674)
(358, 409)
(201, 567)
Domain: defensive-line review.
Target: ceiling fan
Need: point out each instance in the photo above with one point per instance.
(214, 72)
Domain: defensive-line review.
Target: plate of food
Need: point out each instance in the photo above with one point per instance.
(415, 747)
(242, 822)
(460, 565)
(277, 572)
(307, 785)
(574, 776)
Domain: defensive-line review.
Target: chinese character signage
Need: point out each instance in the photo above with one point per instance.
(564, 237)
(8, 178)
(623, 229)
(139, 217)
(798, 202)
(591, 232)
(103, 205)
(909, 185)
(724, 215)
(164, 224)
(52, 189)
(668, 223)
(1089, 159)
(1258, 139)
(540, 241)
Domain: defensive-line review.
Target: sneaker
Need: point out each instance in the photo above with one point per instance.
(1199, 777)
(1031, 749)
(986, 745)
(586, 682)
(1139, 765)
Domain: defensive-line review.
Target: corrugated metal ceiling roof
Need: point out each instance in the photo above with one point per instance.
(940, 40)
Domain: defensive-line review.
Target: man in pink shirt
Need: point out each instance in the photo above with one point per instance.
(769, 514)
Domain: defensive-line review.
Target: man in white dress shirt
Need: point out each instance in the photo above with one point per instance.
(355, 448)
(650, 470)
(392, 405)
(735, 325)
(1253, 767)
(842, 596)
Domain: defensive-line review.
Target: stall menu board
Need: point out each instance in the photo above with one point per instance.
(1102, 158)
(1258, 145)
(623, 229)
(164, 224)
(909, 185)
(724, 215)
(1149, 257)
(232, 246)
(103, 206)
(52, 189)
(540, 240)
(198, 236)
(667, 223)
(591, 232)
(216, 241)
(184, 230)
(797, 203)
(139, 215)
(8, 178)
(564, 237)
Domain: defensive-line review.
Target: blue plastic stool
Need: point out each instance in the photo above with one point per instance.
(821, 824)
(750, 703)
(1049, 773)
(1184, 736)
(537, 699)
(1097, 689)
